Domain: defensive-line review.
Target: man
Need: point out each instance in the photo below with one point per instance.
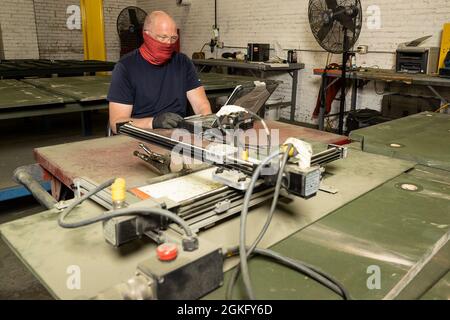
(151, 85)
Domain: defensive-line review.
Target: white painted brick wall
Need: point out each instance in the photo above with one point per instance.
(45, 35)
(18, 30)
(56, 41)
(286, 21)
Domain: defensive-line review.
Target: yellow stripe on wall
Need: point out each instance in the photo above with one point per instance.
(93, 29)
(445, 45)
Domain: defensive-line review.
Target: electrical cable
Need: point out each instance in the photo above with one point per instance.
(269, 217)
(206, 43)
(276, 195)
(118, 213)
(311, 271)
(302, 267)
(266, 128)
(243, 223)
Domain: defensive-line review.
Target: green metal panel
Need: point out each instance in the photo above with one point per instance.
(217, 81)
(16, 94)
(422, 138)
(440, 291)
(93, 88)
(83, 89)
(389, 227)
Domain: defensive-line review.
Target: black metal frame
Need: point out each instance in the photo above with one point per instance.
(18, 69)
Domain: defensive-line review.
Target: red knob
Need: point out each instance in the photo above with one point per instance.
(167, 252)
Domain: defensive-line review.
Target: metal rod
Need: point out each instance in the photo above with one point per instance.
(22, 176)
(196, 152)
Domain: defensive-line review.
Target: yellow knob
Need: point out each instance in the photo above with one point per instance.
(118, 190)
(291, 152)
(244, 155)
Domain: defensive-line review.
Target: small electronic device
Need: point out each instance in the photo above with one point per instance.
(258, 52)
(414, 58)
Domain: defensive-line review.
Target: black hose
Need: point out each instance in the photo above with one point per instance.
(118, 213)
(304, 268)
(243, 223)
(278, 185)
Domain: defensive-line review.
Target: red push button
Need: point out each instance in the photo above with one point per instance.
(167, 252)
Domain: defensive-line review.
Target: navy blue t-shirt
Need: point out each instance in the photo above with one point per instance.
(152, 89)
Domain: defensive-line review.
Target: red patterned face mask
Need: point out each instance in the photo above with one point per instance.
(156, 52)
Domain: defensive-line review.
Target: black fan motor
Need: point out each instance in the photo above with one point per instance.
(130, 24)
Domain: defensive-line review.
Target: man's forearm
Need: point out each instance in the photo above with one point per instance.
(204, 109)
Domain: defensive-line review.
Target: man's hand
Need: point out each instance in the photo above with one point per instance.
(167, 121)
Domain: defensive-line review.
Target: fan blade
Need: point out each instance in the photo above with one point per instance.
(133, 17)
(331, 4)
(324, 31)
(346, 21)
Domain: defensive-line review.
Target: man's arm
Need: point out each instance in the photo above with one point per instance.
(119, 113)
(199, 101)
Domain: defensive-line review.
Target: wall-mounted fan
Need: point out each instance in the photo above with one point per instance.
(336, 25)
(130, 23)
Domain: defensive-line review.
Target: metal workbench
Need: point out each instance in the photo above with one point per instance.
(293, 70)
(48, 250)
(361, 77)
(372, 222)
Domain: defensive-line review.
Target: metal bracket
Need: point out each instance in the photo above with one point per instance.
(159, 163)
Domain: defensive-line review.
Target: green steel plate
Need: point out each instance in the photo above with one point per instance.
(422, 138)
(94, 88)
(388, 229)
(17, 94)
(82, 89)
(440, 291)
(11, 83)
(217, 81)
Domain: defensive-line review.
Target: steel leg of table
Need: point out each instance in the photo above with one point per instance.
(323, 103)
(438, 95)
(294, 94)
(354, 94)
(86, 123)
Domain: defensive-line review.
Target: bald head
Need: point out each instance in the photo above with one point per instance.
(160, 23)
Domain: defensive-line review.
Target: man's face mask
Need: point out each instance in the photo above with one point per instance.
(156, 52)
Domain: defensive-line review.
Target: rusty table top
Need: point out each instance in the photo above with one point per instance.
(104, 158)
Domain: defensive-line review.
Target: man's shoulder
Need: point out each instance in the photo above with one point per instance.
(130, 58)
(182, 58)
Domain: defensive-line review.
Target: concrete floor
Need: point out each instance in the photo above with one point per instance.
(19, 138)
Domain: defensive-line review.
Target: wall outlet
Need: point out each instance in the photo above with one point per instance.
(363, 49)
